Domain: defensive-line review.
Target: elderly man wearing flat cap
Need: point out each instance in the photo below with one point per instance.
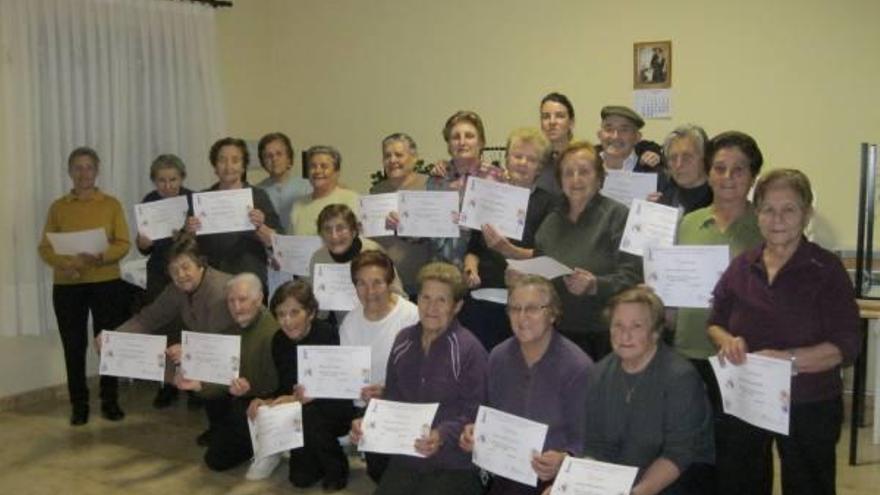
(621, 145)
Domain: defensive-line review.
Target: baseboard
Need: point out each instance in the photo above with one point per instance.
(45, 394)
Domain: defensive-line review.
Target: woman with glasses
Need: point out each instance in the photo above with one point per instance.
(540, 375)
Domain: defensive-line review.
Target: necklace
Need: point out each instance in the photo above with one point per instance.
(632, 383)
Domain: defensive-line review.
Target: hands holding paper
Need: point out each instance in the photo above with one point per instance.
(372, 391)
(429, 444)
(546, 465)
(581, 282)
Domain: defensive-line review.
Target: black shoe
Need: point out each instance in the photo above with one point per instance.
(336, 485)
(204, 438)
(111, 412)
(166, 396)
(303, 481)
(80, 415)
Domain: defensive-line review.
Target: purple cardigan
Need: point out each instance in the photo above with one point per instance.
(453, 373)
(810, 301)
(553, 391)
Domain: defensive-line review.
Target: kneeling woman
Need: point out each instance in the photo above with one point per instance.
(646, 405)
(324, 420)
(436, 360)
(540, 375)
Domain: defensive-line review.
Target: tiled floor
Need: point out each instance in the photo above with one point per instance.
(153, 452)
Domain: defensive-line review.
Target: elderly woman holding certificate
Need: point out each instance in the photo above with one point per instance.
(410, 254)
(167, 173)
(733, 164)
(484, 263)
(584, 234)
(323, 164)
(791, 300)
(540, 375)
(435, 361)
(244, 251)
(375, 323)
(86, 282)
(646, 405)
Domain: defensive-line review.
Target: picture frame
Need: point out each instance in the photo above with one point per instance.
(652, 64)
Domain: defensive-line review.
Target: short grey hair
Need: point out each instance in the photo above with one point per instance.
(321, 149)
(167, 161)
(695, 133)
(253, 283)
(403, 138)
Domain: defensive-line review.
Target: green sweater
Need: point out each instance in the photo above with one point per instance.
(256, 359)
(699, 228)
(592, 244)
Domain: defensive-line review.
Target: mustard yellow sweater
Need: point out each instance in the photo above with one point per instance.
(71, 214)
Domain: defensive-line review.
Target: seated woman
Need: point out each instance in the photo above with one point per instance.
(540, 375)
(399, 156)
(167, 173)
(584, 233)
(375, 322)
(324, 420)
(238, 252)
(341, 242)
(436, 360)
(646, 405)
(323, 164)
(685, 153)
(485, 261)
(788, 299)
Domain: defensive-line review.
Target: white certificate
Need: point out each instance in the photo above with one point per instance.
(684, 276)
(276, 429)
(92, 241)
(133, 355)
(333, 372)
(495, 203)
(134, 272)
(393, 427)
(544, 266)
(648, 224)
(428, 213)
(373, 211)
(589, 477)
(505, 444)
(210, 357)
(625, 186)
(223, 211)
(490, 294)
(294, 252)
(159, 219)
(757, 391)
(333, 287)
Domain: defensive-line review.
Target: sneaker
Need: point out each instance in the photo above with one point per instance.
(262, 468)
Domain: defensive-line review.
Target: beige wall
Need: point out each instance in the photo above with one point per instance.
(795, 74)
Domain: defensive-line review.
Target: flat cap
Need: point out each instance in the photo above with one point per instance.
(625, 112)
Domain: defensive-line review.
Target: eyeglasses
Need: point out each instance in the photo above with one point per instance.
(529, 310)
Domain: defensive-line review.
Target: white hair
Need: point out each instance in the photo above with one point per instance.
(255, 287)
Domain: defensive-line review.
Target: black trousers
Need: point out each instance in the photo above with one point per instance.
(807, 455)
(230, 441)
(321, 456)
(108, 304)
(488, 321)
(402, 480)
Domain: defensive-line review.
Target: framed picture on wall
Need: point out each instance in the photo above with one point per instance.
(652, 64)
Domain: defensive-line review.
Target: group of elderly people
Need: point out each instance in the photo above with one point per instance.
(593, 354)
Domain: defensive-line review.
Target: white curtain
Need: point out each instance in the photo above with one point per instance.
(130, 78)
